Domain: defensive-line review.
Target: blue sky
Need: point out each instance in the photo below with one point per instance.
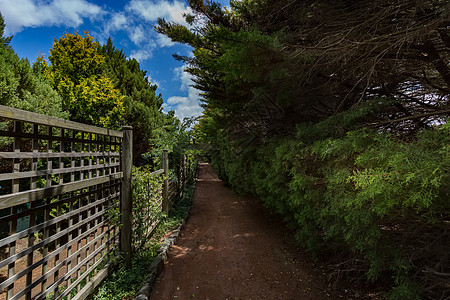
(35, 23)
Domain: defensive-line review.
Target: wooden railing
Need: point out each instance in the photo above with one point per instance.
(61, 184)
(65, 188)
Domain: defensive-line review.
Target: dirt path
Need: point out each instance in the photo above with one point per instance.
(232, 248)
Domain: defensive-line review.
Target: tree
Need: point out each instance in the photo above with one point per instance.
(316, 59)
(334, 114)
(173, 135)
(142, 104)
(101, 86)
(101, 103)
(76, 57)
(3, 40)
(77, 72)
(21, 88)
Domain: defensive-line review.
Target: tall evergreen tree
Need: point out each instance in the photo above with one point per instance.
(318, 106)
(314, 59)
(142, 104)
(20, 87)
(3, 40)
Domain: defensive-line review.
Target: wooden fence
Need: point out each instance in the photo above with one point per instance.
(64, 189)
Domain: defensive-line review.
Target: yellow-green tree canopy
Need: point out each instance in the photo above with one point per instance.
(101, 86)
(96, 100)
(76, 56)
(77, 72)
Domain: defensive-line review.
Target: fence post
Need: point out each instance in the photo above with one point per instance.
(184, 173)
(126, 205)
(165, 165)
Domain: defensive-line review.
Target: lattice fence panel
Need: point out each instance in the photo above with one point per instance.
(147, 209)
(60, 184)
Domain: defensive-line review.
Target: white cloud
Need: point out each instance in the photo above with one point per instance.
(112, 22)
(164, 41)
(118, 21)
(28, 13)
(137, 34)
(185, 77)
(185, 106)
(151, 11)
(141, 55)
(144, 52)
(175, 100)
(139, 16)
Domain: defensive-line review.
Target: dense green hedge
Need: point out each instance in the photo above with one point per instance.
(363, 193)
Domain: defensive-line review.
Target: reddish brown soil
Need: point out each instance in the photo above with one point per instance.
(232, 248)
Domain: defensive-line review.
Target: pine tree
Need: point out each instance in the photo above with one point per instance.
(21, 88)
(142, 104)
(3, 40)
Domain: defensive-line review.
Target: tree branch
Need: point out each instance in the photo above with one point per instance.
(443, 112)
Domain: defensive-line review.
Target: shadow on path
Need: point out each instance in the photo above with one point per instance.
(232, 248)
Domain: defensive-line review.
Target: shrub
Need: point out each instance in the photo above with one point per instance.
(361, 192)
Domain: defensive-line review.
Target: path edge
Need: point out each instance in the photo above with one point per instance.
(157, 266)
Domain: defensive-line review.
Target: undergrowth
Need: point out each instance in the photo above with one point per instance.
(125, 282)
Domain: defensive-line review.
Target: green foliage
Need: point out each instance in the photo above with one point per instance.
(243, 51)
(4, 41)
(181, 210)
(77, 73)
(100, 86)
(406, 290)
(97, 102)
(125, 282)
(147, 197)
(319, 114)
(174, 136)
(76, 57)
(345, 191)
(21, 88)
(142, 105)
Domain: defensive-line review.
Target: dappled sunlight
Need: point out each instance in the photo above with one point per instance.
(179, 251)
(231, 249)
(244, 235)
(205, 248)
(209, 180)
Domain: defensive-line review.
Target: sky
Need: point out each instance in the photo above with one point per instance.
(34, 24)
